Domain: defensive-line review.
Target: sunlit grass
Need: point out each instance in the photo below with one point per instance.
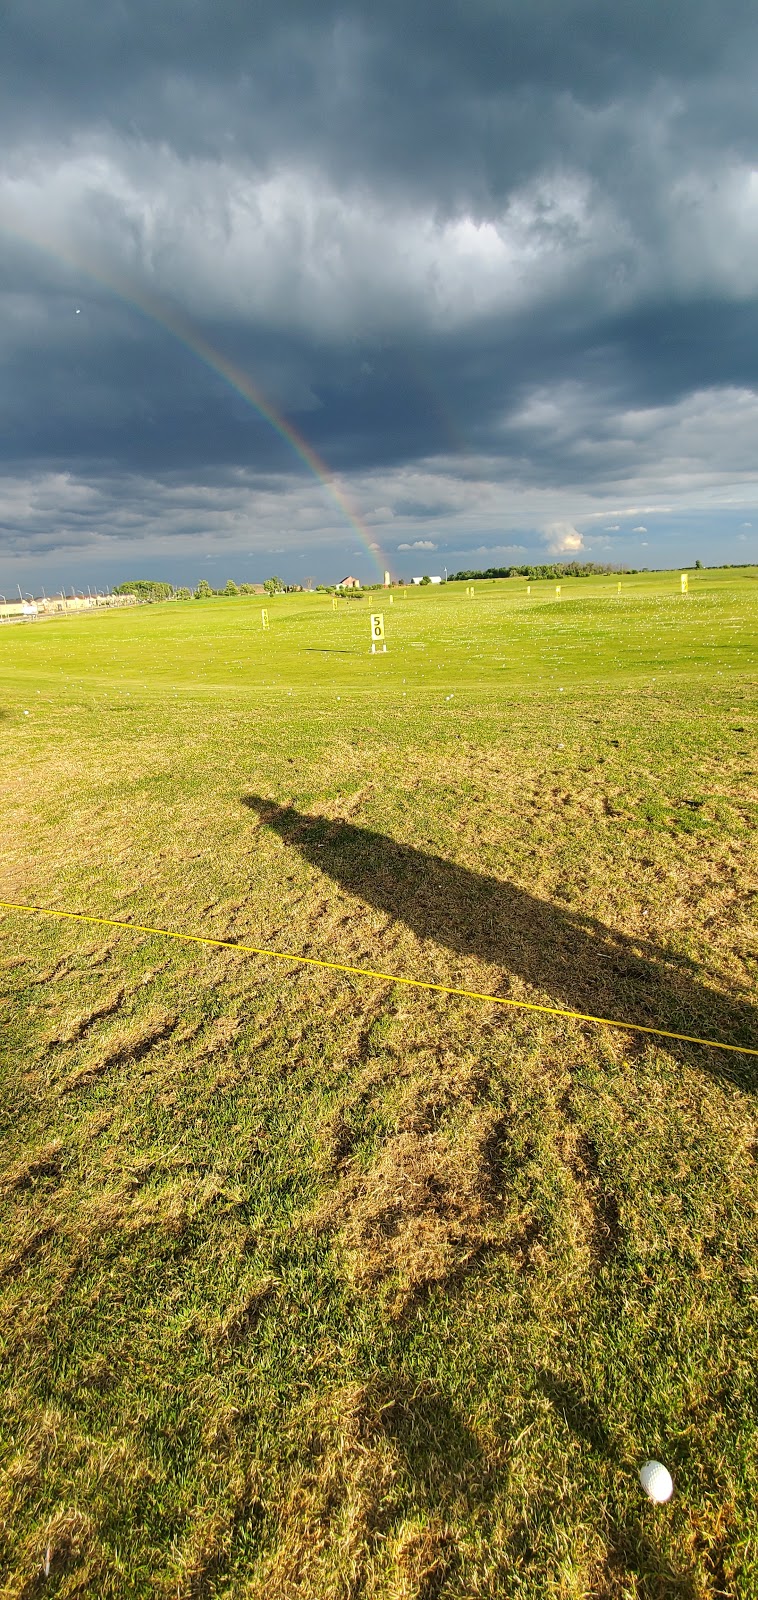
(312, 1286)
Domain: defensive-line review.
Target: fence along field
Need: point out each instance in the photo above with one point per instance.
(312, 1285)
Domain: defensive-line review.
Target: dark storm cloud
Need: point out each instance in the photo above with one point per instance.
(480, 253)
(401, 80)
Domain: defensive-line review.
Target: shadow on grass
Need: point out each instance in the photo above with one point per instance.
(575, 960)
(432, 1434)
(448, 1462)
(581, 1418)
(630, 1547)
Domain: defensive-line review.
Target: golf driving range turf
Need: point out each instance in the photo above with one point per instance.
(313, 1285)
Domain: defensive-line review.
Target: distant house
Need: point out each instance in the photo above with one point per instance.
(349, 583)
(60, 604)
(431, 580)
(57, 604)
(18, 609)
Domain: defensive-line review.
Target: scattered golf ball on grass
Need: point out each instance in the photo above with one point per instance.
(657, 1482)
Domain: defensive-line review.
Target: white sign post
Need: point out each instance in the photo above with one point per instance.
(377, 634)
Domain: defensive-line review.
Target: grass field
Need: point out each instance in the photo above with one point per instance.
(315, 1286)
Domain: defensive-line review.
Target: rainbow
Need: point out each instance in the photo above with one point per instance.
(168, 317)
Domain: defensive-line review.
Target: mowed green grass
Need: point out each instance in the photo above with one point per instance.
(314, 1285)
(502, 638)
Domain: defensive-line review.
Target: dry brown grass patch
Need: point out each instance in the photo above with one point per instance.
(43, 1163)
(334, 1513)
(340, 1530)
(240, 1317)
(427, 1204)
(418, 1559)
(130, 1053)
(64, 1550)
(594, 1212)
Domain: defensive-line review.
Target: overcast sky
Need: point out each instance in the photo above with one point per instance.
(495, 261)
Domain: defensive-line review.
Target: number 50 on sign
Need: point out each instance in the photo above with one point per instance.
(377, 633)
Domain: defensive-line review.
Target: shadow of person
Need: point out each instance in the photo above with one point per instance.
(574, 960)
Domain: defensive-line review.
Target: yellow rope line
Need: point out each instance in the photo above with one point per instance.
(384, 977)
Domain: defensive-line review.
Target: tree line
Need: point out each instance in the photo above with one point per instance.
(552, 569)
(150, 589)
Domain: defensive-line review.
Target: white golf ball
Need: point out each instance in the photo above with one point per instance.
(657, 1482)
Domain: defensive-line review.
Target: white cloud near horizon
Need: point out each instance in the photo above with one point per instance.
(563, 538)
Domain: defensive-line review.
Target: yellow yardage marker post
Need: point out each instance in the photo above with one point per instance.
(377, 634)
(558, 590)
(685, 583)
(381, 977)
(264, 619)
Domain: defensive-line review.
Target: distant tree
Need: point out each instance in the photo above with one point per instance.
(182, 594)
(274, 586)
(552, 569)
(699, 566)
(426, 579)
(203, 590)
(230, 587)
(146, 589)
(247, 588)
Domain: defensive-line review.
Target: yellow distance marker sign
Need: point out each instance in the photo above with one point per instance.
(264, 618)
(377, 634)
(685, 583)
